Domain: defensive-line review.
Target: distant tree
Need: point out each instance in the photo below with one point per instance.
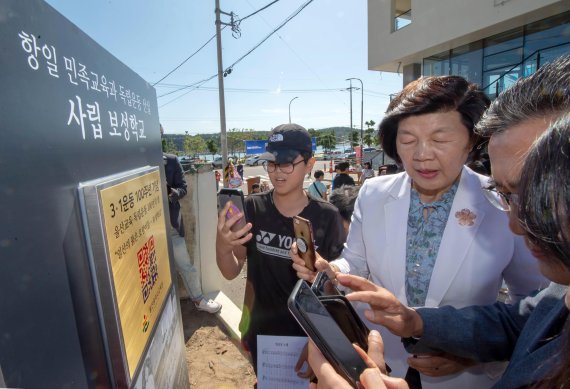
(212, 146)
(327, 140)
(354, 139)
(194, 144)
(168, 146)
(370, 137)
(235, 138)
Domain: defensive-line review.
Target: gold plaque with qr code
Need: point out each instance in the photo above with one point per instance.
(136, 243)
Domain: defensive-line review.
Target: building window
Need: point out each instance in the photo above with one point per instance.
(437, 65)
(402, 13)
(495, 63)
(466, 62)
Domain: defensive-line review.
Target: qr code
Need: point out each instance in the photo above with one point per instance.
(148, 269)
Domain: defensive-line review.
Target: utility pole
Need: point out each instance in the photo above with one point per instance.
(348, 79)
(361, 114)
(223, 138)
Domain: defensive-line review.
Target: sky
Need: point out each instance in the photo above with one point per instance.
(309, 58)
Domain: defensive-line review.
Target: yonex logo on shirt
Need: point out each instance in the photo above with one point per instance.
(264, 237)
(279, 247)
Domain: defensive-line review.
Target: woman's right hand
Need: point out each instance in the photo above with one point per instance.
(226, 239)
(305, 273)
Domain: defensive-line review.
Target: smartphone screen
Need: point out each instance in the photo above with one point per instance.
(325, 332)
(324, 286)
(236, 197)
(305, 242)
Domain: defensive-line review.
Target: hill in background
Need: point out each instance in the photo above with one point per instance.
(241, 135)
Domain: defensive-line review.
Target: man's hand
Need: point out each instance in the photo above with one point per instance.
(436, 365)
(226, 239)
(230, 252)
(303, 272)
(173, 195)
(386, 309)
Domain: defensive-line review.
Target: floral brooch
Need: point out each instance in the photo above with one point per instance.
(465, 217)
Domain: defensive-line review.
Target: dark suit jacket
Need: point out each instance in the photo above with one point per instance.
(177, 188)
(342, 179)
(527, 334)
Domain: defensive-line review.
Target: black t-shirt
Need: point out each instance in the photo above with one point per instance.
(270, 275)
(342, 179)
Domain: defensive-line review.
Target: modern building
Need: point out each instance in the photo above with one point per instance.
(489, 42)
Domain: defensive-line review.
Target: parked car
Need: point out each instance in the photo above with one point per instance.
(253, 161)
(217, 163)
(186, 159)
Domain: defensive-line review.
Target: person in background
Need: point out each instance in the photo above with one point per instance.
(343, 199)
(239, 169)
(367, 172)
(342, 178)
(218, 177)
(255, 188)
(177, 189)
(264, 186)
(317, 189)
(270, 276)
(429, 235)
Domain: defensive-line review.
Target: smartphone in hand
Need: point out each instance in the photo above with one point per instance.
(237, 199)
(333, 326)
(324, 286)
(305, 241)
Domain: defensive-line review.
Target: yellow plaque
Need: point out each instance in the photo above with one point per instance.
(137, 247)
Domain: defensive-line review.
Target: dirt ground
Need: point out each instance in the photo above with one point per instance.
(214, 359)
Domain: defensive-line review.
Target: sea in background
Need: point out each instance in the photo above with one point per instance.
(343, 148)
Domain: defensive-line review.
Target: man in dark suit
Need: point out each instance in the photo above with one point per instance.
(525, 334)
(177, 188)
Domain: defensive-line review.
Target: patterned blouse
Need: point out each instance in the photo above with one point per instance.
(422, 242)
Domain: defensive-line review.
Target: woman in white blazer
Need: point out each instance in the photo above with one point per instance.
(429, 235)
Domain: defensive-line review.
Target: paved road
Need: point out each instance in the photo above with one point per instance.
(254, 171)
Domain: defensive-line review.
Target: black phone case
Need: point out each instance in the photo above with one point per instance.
(319, 342)
(346, 317)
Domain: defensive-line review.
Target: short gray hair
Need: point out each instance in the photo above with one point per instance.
(545, 92)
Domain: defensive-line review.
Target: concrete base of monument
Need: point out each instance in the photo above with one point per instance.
(230, 314)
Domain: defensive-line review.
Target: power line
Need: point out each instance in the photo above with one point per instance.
(271, 33)
(229, 68)
(257, 90)
(235, 25)
(186, 60)
(259, 10)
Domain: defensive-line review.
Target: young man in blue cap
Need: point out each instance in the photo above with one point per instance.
(270, 275)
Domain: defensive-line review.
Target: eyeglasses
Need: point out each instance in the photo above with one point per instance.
(503, 201)
(286, 168)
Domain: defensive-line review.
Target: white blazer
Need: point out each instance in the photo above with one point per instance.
(476, 254)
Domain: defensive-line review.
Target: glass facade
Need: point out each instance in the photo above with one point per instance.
(497, 62)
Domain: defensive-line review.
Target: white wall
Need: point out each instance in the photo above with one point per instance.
(439, 25)
(206, 214)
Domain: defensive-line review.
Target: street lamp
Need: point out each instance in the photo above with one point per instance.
(361, 115)
(296, 97)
